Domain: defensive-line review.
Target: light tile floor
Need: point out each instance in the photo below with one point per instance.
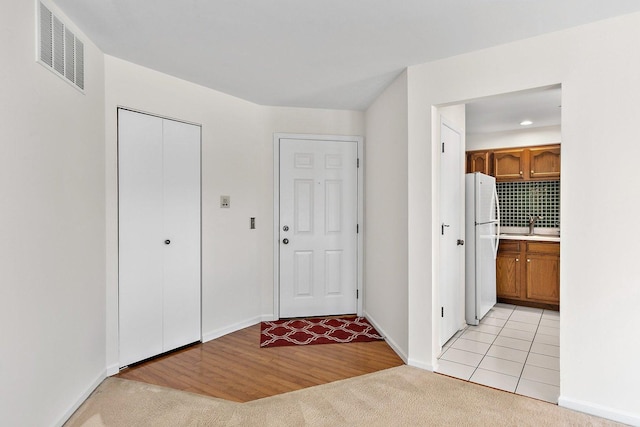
(514, 348)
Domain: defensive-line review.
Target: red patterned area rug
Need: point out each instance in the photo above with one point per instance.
(317, 331)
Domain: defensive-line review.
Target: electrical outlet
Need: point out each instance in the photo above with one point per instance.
(225, 201)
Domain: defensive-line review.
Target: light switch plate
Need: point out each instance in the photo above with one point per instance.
(225, 201)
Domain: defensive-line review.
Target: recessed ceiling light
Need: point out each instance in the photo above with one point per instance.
(526, 123)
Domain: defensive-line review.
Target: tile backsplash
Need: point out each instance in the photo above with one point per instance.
(520, 200)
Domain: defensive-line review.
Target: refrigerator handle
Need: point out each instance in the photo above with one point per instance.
(495, 196)
(496, 203)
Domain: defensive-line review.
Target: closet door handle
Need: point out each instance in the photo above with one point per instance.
(167, 242)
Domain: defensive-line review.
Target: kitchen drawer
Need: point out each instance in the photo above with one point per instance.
(509, 246)
(543, 248)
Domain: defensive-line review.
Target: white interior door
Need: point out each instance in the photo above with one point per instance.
(451, 252)
(181, 262)
(159, 235)
(140, 250)
(318, 220)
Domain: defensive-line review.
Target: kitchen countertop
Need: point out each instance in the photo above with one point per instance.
(535, 237)
(522, 233)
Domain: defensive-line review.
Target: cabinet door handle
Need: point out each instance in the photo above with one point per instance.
(517, 259)
(528, 260)
(520, 172)
(532, 172)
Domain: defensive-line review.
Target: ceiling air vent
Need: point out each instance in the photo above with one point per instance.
(59, 49)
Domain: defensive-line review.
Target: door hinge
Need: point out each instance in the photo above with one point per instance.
(357, 293)
(357, 228)
(443, 147)
(441, 311)
(443, 226)
(357, 163)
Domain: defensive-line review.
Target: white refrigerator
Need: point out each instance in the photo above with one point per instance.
(482, 239)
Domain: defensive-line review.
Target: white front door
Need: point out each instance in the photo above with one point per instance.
(317, 227)
(451, 252)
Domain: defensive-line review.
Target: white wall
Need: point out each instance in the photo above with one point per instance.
(385, 229)
(52, 284)
(517, 138)
(230, 159)
(301, 121)
(598, 67)
(237, 160)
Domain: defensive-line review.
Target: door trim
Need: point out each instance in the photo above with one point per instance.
(359, 140)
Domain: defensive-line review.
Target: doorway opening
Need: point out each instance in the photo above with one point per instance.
(516, 138)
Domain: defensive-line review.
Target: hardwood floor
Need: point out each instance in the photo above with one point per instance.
(234, 367)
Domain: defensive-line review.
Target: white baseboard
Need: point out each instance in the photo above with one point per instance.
(599, 411)
(394, 346)
(80, 400)
(231, 328)
(113, 370)
(422, 365)
(268, 317)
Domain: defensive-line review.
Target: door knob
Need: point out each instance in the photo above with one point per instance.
(285, 241)
(460, 242)
(167, 242)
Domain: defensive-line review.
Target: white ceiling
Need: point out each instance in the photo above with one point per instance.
(315, 53)
(505, 112)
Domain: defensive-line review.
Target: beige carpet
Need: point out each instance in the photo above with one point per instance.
(402, 396)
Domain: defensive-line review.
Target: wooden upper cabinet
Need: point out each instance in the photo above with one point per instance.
(479, 161)
(544, 162)
(510, 165)
(527, 164)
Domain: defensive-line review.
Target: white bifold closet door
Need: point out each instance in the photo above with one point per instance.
(159, 235)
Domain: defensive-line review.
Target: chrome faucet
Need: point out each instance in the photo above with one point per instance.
(532, 222)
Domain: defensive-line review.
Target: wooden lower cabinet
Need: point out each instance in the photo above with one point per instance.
(528, 273)
(508, 270)
(543, 278)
